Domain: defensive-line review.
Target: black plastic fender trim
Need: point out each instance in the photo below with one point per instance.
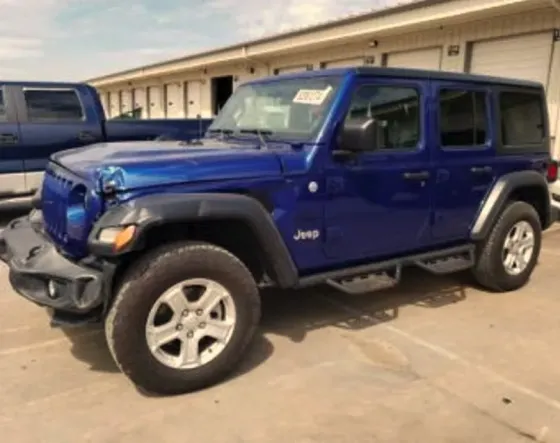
(159, 209)
(499, 195)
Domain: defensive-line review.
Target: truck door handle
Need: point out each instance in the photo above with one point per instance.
(85, 136)
(481, 169)
(422, 175)
(8, 139)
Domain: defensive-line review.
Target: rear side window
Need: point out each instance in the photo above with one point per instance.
(3, 107)
(522, 118)
(463, 117)
(53, 105)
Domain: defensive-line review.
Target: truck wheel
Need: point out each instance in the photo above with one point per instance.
(510, 253)
(182, 318)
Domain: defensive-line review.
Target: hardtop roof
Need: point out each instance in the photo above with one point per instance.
(407, 73)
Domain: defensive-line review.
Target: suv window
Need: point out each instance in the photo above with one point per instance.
(522, 118)
(3, 108)
(463, 117)
(47, 105)
(396, 110)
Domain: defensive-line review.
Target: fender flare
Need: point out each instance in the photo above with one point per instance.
(501, 193)
(155, 210)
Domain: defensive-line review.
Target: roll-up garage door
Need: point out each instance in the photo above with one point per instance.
(173, 100)
(426, 58)
(194, 99)
(525, 57)
(139, 100)
(114, 103)
(155, 102)
(343, 63)
(126, 101)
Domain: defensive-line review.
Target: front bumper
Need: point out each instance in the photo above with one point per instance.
(35, 264)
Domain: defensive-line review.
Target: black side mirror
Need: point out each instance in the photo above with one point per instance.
(359, 135)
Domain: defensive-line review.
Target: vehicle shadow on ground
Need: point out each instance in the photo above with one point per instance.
(294, 314)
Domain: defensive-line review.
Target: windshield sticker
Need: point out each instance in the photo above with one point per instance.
(312, 96)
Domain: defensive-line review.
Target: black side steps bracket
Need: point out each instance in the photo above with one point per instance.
(385, 274)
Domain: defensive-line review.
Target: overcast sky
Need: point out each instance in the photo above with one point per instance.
(79, 39)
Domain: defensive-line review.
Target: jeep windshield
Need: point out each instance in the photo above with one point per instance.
(291, 109)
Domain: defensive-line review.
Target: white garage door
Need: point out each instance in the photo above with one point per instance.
(344, 63)
(155, 109)
(114, 103)
(426, 58)
(194, 99)
(173, 100)
(126, 101)
(525, 57)
(139, 99)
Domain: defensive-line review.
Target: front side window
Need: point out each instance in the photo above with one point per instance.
(44, 105)
(463, 117)
(396, 111)
(522, 118)
(294, 108)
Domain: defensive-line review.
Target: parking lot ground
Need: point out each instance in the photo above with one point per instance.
(433, 360)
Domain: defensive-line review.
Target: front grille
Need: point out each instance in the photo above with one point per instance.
(57, 184)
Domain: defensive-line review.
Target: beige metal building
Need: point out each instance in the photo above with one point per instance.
(512, 38)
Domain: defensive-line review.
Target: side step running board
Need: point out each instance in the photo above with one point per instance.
(368, 283)
(387, 273)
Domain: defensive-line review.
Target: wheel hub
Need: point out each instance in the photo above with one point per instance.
(191, 323)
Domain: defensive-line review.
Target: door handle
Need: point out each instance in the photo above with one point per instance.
(422, 175)
(85, 136)
(481, 169)
(8, 139)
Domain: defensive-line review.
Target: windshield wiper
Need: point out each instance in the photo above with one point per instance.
(260, 132)
(222, 132)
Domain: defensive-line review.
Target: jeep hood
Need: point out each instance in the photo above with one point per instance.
(133, 165)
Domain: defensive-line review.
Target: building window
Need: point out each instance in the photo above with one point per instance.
(522, 118)
(396, 111)
(463, 118)
(44, 105)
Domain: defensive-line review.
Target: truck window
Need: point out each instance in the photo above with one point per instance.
(3, 109)
(396, 110)
(522, 118)
(53, 105)
(463, 117)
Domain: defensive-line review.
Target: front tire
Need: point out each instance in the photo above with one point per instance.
(182, 318)
(509, 255)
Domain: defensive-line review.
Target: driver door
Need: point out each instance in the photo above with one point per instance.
(379, 202)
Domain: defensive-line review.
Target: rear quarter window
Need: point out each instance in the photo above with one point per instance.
(53, 105)
(522, 118)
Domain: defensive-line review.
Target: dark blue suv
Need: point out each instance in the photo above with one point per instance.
(337, 176)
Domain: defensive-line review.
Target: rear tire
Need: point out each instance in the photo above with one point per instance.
(155, 324)
(509, 255)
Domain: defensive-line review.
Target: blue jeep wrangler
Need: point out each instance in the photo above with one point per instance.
(339, 176)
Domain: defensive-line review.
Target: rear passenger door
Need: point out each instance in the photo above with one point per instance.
(52, 119)
(12, 179)
(464, 155)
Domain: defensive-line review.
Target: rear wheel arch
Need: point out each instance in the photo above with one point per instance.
(527, 186)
